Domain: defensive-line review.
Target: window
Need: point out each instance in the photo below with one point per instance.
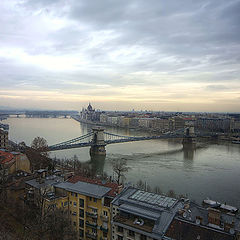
(75, 194)
(94, 230)
(74, 213)
(94, 199)
(65, 204)
(74, 223)
(105, 213)
(81, 213)
(90, 198)
(104, 234)
(72, 194)
(94, 210)
(131, 233)
(81, 233)
(70, 202)
(120, 229)
(105, 225)
(74, 204)
(143, 237)
(81, 203)
(81, 223)
(119, 238)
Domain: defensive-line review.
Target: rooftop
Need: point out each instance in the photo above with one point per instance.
(153, 199)
(114, 186)
(84, 188)
(189, 231)
(193, 212)
(44, 182)
(152, 208)
(6, 157)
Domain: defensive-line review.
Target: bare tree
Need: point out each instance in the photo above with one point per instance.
(40, 145)
(157, 190)
(3, 183)
(120, 168)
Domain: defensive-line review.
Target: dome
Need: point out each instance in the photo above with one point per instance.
(89, 108)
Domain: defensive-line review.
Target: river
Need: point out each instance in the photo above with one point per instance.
(212, 171)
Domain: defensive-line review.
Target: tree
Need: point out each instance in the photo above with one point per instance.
(40, 145)
(3, 183)
(120, 168)
(54, 224)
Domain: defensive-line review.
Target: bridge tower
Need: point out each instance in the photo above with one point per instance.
(98, 147)
(189, 140)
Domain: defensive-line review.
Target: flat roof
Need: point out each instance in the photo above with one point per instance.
(48, 181)
(153, 199)
(84, 188)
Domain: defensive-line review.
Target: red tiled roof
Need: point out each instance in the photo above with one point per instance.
(114, 186)
(6, 157)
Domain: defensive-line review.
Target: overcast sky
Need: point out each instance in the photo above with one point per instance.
(176, 55)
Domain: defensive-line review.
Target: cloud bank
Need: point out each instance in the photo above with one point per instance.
(158, 55)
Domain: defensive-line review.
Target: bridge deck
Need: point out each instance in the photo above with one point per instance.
(71, 143)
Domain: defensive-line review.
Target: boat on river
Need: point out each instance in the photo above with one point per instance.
(220, 206)
(211, 203)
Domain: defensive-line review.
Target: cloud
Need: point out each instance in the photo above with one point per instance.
(161, 51)
(217, 88)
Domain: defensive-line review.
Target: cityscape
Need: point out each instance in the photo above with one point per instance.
(103, 206)
(119, 120)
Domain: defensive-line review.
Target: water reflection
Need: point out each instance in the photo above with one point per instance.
(97, 164)
(189, 152)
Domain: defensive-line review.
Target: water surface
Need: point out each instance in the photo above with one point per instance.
(212, 171)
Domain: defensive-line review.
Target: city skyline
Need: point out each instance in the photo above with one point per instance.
(121, 55)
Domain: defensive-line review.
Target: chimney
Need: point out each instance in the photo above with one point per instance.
(214, 216)
(199, 220)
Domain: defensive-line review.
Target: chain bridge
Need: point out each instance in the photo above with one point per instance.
(97, 139)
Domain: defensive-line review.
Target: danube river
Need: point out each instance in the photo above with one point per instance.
(212, 171)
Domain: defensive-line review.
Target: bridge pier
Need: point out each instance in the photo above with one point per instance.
(98, 147)
(189, 141)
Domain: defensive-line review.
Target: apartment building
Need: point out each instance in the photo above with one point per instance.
(3, 139)
(160, 124)
(89, 206)
(14, 161)
(41, 191)
(141, 215)
(197, 222)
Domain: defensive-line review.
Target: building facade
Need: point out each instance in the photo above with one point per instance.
(89, 206)
(14, 161)
(90, 114)
(3, 139)
(141, 215)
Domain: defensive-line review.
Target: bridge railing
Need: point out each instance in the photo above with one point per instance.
(72, 141)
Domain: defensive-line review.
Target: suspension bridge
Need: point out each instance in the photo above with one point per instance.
(97, 139)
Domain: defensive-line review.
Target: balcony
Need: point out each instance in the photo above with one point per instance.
(91, 235)
(147, 225)
(93, 215)
(104, 229)
(92, 225)
(104, 218)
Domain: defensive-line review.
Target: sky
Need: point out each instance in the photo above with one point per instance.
(120, 54)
